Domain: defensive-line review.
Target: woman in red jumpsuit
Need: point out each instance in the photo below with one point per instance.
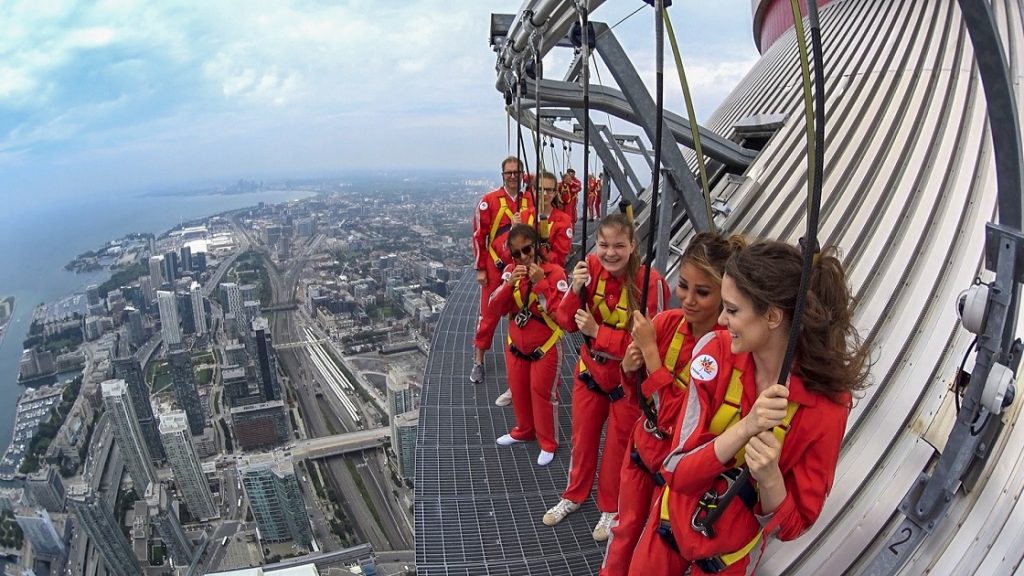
(735, 414)
(613, 276)
(663, 348)
(530, 290)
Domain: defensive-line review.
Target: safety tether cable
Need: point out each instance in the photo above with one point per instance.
(652, 214)
(694, 126)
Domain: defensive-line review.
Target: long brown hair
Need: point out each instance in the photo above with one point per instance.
(830, 356)
(709, 251)
(632, 277)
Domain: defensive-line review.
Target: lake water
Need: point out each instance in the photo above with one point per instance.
(37, 240)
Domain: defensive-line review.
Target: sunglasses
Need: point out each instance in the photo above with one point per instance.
(524, 251)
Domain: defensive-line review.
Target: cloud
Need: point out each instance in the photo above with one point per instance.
(123, 92)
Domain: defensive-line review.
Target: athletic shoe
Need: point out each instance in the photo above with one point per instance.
(559, 511)
(476, 375)
(508, 440)
(545, 458)
(505, 399)
(604, 526)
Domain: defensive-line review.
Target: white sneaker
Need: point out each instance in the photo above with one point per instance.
(505, 399)
(545, 458)
(604, 526)
(507, 440)
(559, 511)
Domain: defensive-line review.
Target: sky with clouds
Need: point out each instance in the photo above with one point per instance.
(115, 96)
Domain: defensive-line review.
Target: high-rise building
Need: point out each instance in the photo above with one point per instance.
(162, 516)
(272, 488)
(183, 377)
(198, 308)
(39, 530)
(136, 330)
(265, 359)
(399, 393)
(127, 368)
(156, 271)
(199, 262)
(188, 324)
(170, 268)
(404, 428)
(96, 519)
(184, 461)
(128, 434)
(148, 291)
(261, 425)
(92, 295)
(231, 298)
(46, 489)
(169, 318)
(186, 260)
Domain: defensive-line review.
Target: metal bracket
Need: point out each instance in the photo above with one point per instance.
(995, 236)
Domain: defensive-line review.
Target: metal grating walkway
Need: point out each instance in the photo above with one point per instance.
(479, 505)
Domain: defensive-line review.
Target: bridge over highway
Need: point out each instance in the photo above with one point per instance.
(327, 446)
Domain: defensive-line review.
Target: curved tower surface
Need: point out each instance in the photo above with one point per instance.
(910, 184)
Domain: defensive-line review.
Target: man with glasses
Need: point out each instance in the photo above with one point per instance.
(497, 212)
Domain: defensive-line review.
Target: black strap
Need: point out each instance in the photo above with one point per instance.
(616, 393)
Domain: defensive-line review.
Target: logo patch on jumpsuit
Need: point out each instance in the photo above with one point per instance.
(703, 367)
(483, 205)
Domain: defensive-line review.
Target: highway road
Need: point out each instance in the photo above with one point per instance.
(298, 366)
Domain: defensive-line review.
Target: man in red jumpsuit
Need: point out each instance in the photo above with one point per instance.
(497, 212)
(568, 195)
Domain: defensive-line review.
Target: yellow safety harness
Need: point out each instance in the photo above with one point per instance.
(727, 416)
(556, 330)
(497, 229)
(617, 318)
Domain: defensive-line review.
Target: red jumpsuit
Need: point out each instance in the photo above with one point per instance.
(491, 224)
(568, 196)
(594, 199)
(810, 451)
(555, 236)
(533, 380)
(665, 389)
(605, 399)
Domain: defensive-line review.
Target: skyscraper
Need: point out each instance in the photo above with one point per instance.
(148, 291)
(136, 330)
(231, 298)
(92, 295)
(188, 472)
(38, 528)
(265, 359)
(186, 260)
(169, 318)
(198, 308)
(399, 393)
(128, 434)
(188, 325)
(261, 425)
(404, 428)
(96, 518)
(170, 268)
(46, 489)
(162, 516)
(127, 368)
(274, 496)
(183, 377)
(156, 271)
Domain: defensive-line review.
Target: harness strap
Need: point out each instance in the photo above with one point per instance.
(617, 318)
(617, 393)
(497, 229)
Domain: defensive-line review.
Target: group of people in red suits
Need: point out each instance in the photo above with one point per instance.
(687, 397)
